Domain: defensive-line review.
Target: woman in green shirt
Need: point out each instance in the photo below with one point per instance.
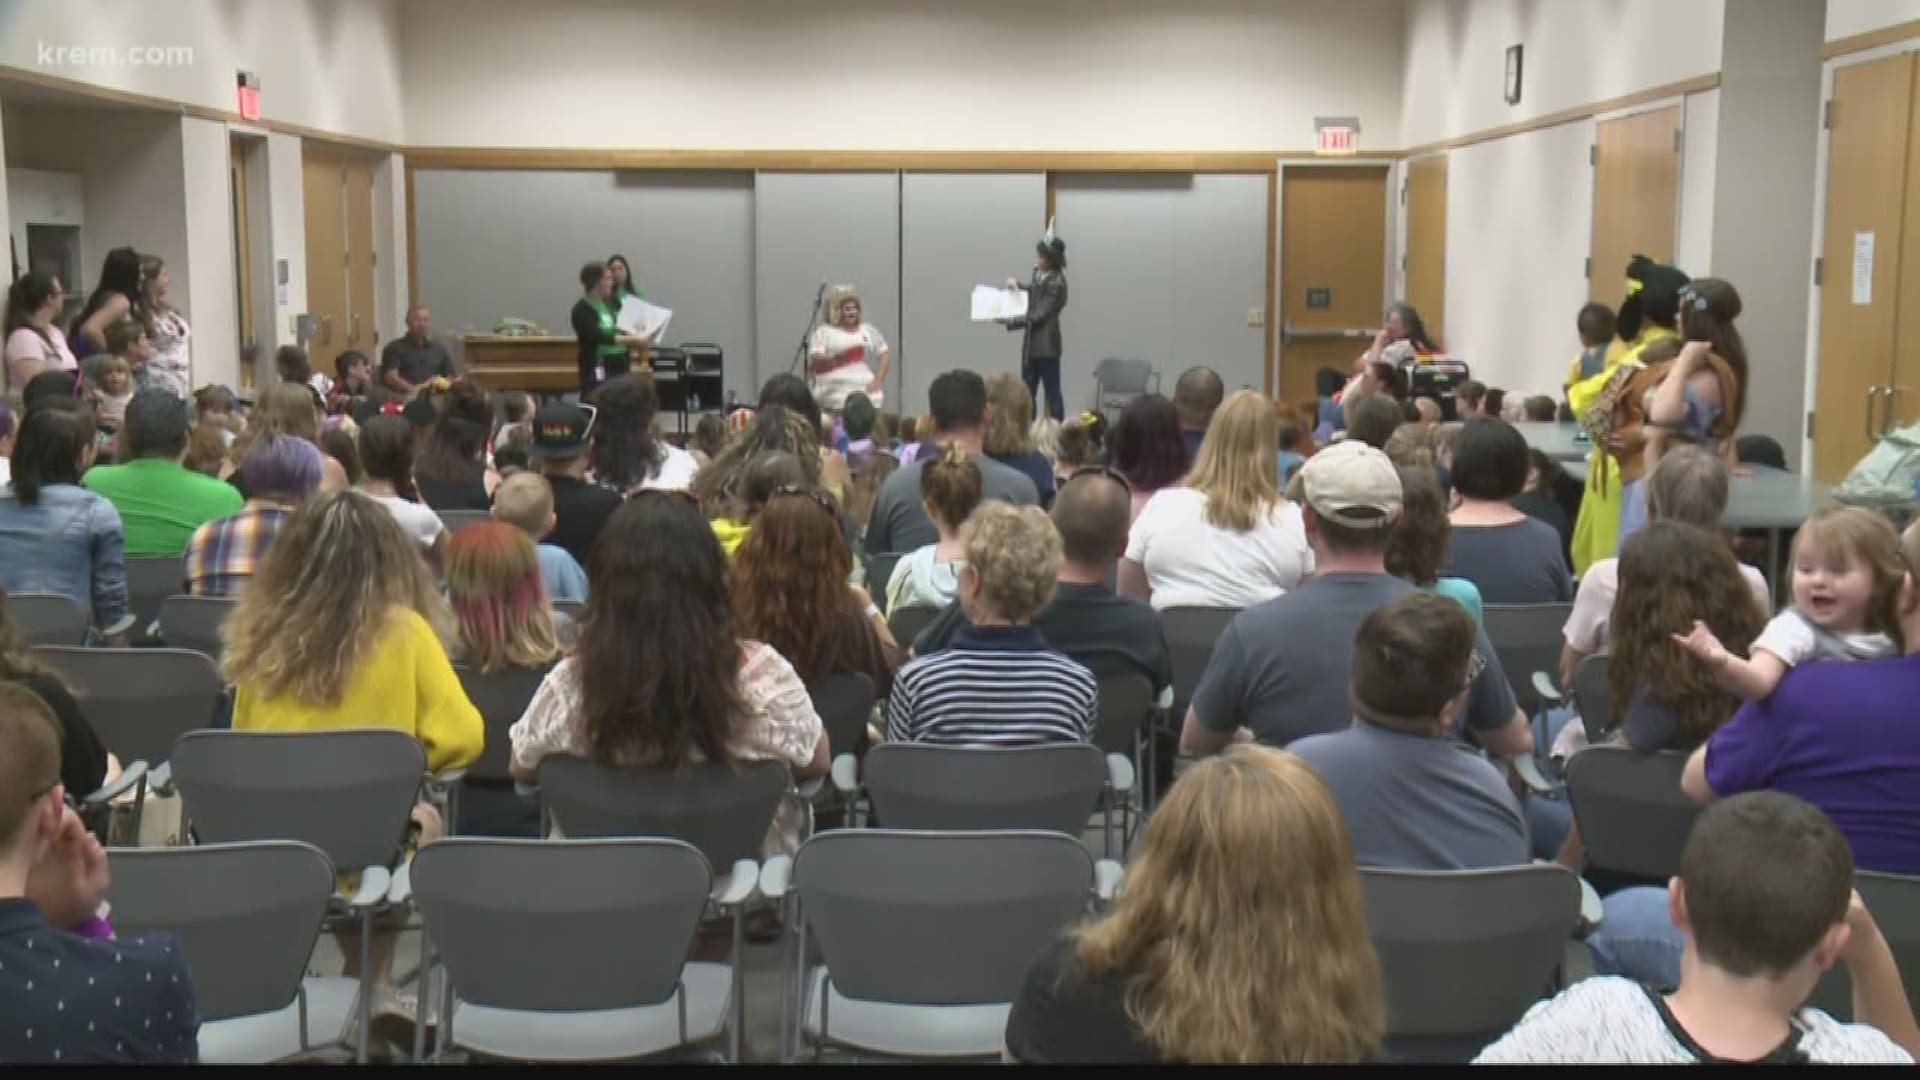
(603, 348)
(623, 284)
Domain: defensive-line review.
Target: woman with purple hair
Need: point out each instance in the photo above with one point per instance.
(280, 473)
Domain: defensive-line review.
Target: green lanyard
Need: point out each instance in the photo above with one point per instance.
(609, 348)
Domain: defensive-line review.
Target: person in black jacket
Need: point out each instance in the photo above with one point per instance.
(1047, 297)
(603, 348)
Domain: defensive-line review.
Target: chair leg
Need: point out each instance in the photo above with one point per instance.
(364, 1004)
(1106, 827)
(736, 1039)
(423, 998)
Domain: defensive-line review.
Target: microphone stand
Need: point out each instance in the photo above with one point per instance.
(806, 336)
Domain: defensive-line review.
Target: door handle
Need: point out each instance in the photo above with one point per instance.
(1288, 334)
(326, 325)
(1872, 393)
(353, 335)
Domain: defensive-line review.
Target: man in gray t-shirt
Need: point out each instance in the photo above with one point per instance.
(958, 402)
(1413, 797)
(1282, 668)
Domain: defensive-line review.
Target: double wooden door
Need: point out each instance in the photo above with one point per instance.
(340, 257)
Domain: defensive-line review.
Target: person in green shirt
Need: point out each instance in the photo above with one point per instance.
(160, 501)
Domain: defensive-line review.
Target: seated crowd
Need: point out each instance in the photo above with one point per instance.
(1353, 714)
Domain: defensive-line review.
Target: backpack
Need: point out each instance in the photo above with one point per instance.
(1887, 474)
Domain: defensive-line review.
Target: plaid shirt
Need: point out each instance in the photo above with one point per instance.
(223, 554)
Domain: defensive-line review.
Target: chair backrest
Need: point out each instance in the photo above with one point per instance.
(845, 704)
(938, 918)
(193, 622)
(48, 618)
(1527, 638)
(455, 520)
(561, 925)
(907, 622)
(1122, 375)
(1633, 817)
(917, 786)
(880, 571)
(572, 609)
(346, 792)
(721, 808)
(247, 915)
(1593, 698)
(1124, 703)
(150, 581)
(1191, 632)
(1894, 900)
(1475, 971)
(139, 701)
(502, 698)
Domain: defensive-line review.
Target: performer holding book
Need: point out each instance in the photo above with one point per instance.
(846, 355)
(1046, 298)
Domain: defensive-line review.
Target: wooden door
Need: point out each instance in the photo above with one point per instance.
(362, 327)
(1636, 196)
(1426, 255)
(1903, 399)
(242, 262)
(1333, 260)
(1867, 159)
(326, 256)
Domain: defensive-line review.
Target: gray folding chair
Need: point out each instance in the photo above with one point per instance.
(880, 571)
(924, 937)
(150, 580)
(845, 704)
(723, 809)
(1191, 632)
(1117, 381)
(349, 793)
(193, 622)
(502, 698)
(1456, 983)
(1527, 638)
(572, 609)
(1593, 697)
(48, 619)
(1121, 732)
(1894, 900)
(247, 916)
(570, 950)
(1632, 815)
(1054, 788)
(907, 622)
(455, 520)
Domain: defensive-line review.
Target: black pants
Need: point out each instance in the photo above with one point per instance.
(1039, 369)
(616, 366)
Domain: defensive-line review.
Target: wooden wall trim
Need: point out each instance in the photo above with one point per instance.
(1872, 39)
(1652, 94)
(590, 158)
(1269, 360)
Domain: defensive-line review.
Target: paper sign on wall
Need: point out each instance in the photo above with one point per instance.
(1862, 268)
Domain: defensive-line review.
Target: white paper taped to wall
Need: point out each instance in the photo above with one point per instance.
(990, 303)
(1862, 268)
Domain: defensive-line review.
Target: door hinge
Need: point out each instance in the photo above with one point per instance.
(1588, 272)
(1826, 115)
(1593, 153)
(1403, 193)
(1809, 423)
(1819, 269)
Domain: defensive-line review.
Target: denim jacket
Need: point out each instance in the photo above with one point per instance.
(70, 543)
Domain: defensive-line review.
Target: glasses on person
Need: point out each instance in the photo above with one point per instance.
(820, 499)
(1107, 471)
(593, 414)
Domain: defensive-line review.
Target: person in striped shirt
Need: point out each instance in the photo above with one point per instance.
(998, 682)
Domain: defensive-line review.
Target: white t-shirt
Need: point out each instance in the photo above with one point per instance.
(832, 388)
(1191, 563)
(1586, 627)
(1610, 1020)
(1794, 638)
(677, 469)
(416, 520)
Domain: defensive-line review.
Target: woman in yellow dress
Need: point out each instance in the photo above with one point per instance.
(1649, 313)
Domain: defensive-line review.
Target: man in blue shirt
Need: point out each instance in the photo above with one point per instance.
(69, 992)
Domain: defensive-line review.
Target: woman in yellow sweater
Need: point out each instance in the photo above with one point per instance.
(343, 627)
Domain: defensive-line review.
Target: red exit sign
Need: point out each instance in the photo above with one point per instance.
(1336, 134)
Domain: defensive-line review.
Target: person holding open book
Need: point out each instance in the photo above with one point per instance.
(1046, 297)
(846, 355)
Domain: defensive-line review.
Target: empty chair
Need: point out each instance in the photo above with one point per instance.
(1593, 697)
(1894, 900)
(1456, 983)
(570, 950)
(247, 916)
(917, 786)
(139, 701)
(455, 520)
(845, 704)
(1191, 632)
(48, 619)
(486, 791)
(923, 938)
(1117, 381)
(1527, 638)
(150, 581)
(572, 609)
(1633, 817)
(1121, 732)
(907, 622)
(193, 622)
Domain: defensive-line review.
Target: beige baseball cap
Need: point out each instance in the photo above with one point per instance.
(1352, 484)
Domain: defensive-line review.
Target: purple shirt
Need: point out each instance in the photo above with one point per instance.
(1845, 737)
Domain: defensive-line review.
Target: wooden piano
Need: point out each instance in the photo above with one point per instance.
(543, 366)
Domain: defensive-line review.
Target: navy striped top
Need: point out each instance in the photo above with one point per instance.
(993, 686)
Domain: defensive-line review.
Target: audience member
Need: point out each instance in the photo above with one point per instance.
(386, 453)
(414, 359)
(161, 502)
(206, 453)
(1470, 400)
(110, 374)
(1227, 538)
(1283, 668)
(525, 501)
(951, 488)
(900, 521)
(1426, 410)
(791, 392)
(1149, 449)
(1595, 327)
(1510, 557)
(1539, 497)
(50, 388)
(1418, 542)
(720, 485)
(998, 682)
(1414, 798)
(859, 440)
(1296, 445)
(516, 414)
(84, 762)
(562, 435)
(55, 535)
(502, 618)
(224, 554)
(282, 409)
(645, 689)
(1196, 396)
(1765, 906)
(34, 340)
(290, 363)
(341, 445)
(1372, 418)
(352, 393)
(628, 455)
(1240, 936)
(765, 473)
(1009, 416)
(1496, 404)
(213, 406)
(709, 438)
(1539, 409)
(71, 993)
(451, 473)
(874, 474)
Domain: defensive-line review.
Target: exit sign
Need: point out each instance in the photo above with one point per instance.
(1336, 134)
(247, 87)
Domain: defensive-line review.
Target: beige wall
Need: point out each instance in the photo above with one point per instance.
(1848, 17)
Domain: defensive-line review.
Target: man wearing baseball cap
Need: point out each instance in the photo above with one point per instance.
(562, 434)
(1281, 669)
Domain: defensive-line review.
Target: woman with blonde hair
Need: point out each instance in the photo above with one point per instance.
(951, 488)
(282, 409)
(1239, 936)
(846, 354)
(499, 599)
(1227, 537)
(1009, 438)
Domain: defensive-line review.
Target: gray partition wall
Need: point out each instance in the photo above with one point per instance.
(958, 230)
(499, 243)
(1164, 267)
(824, 228)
